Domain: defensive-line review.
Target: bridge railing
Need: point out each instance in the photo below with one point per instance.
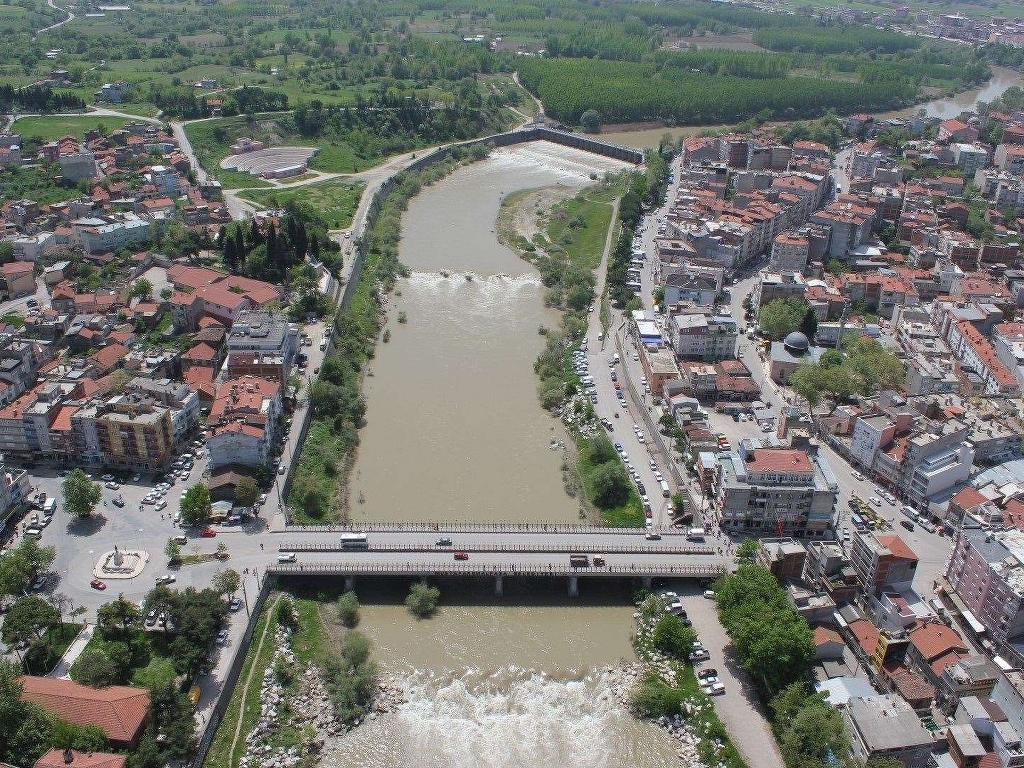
(490, 569)
(326, 546)
(457, 527)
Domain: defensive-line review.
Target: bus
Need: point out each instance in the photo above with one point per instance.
(354, 541)
(858, 522)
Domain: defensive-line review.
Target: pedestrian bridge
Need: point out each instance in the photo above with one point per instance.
(498, 551)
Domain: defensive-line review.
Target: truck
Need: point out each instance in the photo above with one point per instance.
(665, 490)
(579, 561)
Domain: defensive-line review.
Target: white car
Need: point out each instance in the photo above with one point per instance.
(846, 534)
(715, 689)
(654, 467)
(658, 476)
(876, 501)
(858, 475)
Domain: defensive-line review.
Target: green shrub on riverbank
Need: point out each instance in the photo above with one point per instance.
(422, 600)
(319, 476)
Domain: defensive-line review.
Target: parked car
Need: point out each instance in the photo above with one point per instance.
(207, 533)
(98, 584)
(235, 604)
(111, 485)
(151, 619)
(118, 502)
(166, 578)
(708, 672)
(709, 594)
(222, 637)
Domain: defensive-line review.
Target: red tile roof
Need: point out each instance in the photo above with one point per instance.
(824, 635)
(109, 355)
(779, 460)
(897, 546)
(866, 634)
(55, 759)
(118, 710)
(934, 640)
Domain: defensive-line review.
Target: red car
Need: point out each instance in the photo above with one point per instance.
(460, 555)
(97, 584)
(208, 533)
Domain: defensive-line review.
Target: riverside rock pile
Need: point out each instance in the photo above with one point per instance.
(308, 709)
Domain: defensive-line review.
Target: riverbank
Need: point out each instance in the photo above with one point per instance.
(567, 238)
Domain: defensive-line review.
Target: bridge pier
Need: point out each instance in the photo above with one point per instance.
(574, 586)
(646, 582)
(350, 583)
(499, 585)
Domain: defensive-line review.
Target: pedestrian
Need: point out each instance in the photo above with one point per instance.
(261, 545)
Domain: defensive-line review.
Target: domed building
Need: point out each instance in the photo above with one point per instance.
(787, 355)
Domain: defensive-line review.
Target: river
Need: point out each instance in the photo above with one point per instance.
(944, 108)
(454, 429)
(455, 432)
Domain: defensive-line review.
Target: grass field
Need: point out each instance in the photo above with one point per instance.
(50, 128)
(580, 225)
(334, 201)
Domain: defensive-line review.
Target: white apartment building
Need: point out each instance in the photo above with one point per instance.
(703, 337)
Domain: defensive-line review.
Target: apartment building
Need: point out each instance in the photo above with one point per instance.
(183, 402)
(789, 252)
(775, 492)
(887, 726)
(244, 419)
(882, 562)
(262, 344)
(113, 235)
(703, 337)
(986, 571)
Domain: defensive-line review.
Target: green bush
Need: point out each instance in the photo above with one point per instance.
(422, 600)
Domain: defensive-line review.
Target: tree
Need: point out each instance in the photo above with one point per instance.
(816, 737)
(746, 552)
(195, 505)
(227, 582)
(141, 289)
(591, 121)
(809, 324)
(81, 495)
(119, 615)
(94, 668)
(173, 551)
(673, 638)
(28, 618)
(174, 718)
(781, 317)
(422, 599)
(348, 609)
(609, 485)
(246, 492)
(20, 565)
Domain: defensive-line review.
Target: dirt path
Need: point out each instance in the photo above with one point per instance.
(248, 680)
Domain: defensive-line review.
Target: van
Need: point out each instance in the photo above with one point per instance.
(665, 490)
(695, 534)
(49, 507)
(286, 557)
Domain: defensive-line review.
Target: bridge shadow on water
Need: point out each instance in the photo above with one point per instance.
(462, 591)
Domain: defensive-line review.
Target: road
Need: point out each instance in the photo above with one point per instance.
(59, 23)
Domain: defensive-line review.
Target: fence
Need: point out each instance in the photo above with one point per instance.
(322, 546)
(491, 569)
(458, 527)
(228, 687)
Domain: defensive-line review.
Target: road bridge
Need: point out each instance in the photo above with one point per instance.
(500, 555)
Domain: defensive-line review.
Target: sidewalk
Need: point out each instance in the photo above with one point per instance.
(63, 669)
